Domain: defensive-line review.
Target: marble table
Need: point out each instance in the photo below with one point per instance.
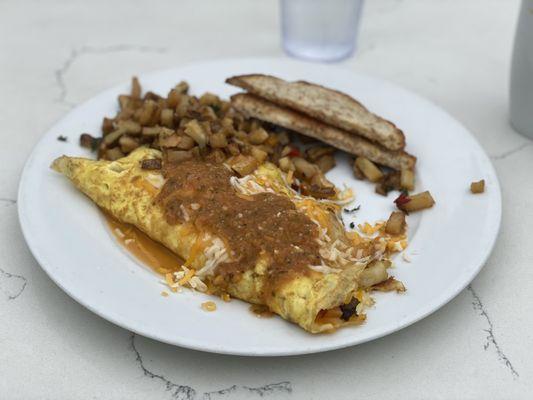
(58, 53)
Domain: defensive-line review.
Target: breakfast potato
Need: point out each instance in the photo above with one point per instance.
(407, 179)
(369, 169)
(415, 202)
(396, 223)
(477, 187)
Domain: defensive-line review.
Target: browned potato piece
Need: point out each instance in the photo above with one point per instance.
(196, 132)
(369, 169)
(182, 106)
(357, 172)
(173, 98)
(127, 144)
(390, 181)
(326, 163)
(167, 117)
(258, 154)
(107, 126)
(208, 99)
(258, 136)
(304, 167)
(396, 223)
(145, 114)
(152, 131)
(112, 137)
(169, 141)
(317, 152)
(176, 156)
(185, 143)
(130, 127)
(285, 164)
(113, 154)
(182, 87)
(415, 202)
(477, 187)
(243, 165)
(218, 140)
(135, 88)
(407, 179)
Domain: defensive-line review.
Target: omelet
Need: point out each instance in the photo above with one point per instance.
(188, 218)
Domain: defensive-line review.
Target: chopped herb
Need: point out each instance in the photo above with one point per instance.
(352, 225)
(349, 211)
(62, 138)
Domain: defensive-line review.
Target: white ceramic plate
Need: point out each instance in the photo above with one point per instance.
(448, 243)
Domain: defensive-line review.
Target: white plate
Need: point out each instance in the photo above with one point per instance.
(448, 243)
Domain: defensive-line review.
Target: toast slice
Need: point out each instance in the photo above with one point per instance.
(326, 105)
(255, 107)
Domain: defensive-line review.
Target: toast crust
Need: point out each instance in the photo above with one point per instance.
(255, 107)
(327, 105)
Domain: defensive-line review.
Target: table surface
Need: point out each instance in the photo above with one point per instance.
(57, 54)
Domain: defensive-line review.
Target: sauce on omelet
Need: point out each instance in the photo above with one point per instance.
(265, 225)
(146, 250)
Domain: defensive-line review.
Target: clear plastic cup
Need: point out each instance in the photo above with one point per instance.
(320, 30)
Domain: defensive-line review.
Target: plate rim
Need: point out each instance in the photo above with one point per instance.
(183, 342)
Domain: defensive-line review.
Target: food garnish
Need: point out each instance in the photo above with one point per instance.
(477, 187)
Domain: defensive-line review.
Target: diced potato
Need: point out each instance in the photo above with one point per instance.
(113, 154)
(241, 135)
(317, 152)
(258, 154)
(243, 165)
(258, 136)
(304, 167)
(135, 88)
(107, 126)
(415, 202)
(357, 172)
(182, 87)
(209, 114)
(285, 164)
(169, 141)
(112, 137)
(128, 144)
(130, 127)
(375, 273)
(477, 187)
(407, 179)
(167, 117)
(396, 223)
(182, 106)
(196, 132)
(320, 180)
(369, 169)
(185, 143)
(326, 163)
(173, 98)
(208, 99)
(151, 131)
(124, 101)
(145, 114)
(390, 181)
(218, 140)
